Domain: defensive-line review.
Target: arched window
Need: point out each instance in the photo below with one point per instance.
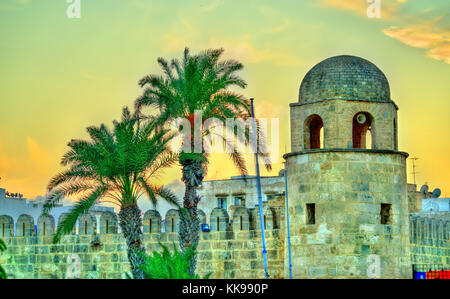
(362, 130)
(314, 135)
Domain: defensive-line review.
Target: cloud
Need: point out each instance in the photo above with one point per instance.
(13, 4)
(212, 5)
(424, 36)
(33, 169)
(241, 48)
(389, 9)
(244, 50)
(276, 21)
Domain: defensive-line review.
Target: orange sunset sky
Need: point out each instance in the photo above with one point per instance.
(60, 75)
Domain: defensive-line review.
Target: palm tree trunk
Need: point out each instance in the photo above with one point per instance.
(130, 223)
(189, 233)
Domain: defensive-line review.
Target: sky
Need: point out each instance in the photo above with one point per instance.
(59, 75)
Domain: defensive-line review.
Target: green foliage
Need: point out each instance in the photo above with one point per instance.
(166, 265)
(115, 165)
(201, 83)
(2, 270)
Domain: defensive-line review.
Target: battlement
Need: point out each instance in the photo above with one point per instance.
(106, 222)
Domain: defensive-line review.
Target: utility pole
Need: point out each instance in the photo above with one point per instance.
(414, 159)
(258, 182)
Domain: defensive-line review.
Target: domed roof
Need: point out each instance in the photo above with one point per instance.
(345, 77)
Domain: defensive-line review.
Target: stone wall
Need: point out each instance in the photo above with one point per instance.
(232, 249)
(348, 189)
(429, 237)
(227, 254)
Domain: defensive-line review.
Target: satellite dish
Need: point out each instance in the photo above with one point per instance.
(424, 189)
(361, 118)
(436, 193)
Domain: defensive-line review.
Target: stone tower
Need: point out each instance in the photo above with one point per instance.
(346, 177)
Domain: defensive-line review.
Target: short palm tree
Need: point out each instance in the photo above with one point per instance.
(115, 166)
(198, 83)
(2, 270)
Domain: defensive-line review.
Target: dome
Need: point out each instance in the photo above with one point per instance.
(345, 77)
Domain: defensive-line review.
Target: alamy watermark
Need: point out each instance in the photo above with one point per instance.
(374, 9)
(235, 135)
(74, 9)
(374, 267)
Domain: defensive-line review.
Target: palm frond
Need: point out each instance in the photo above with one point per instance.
(80, 208)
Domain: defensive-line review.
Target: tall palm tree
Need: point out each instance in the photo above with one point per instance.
(198, 83)
(2, 270)
(115, 166)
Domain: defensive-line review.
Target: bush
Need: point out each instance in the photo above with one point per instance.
(166, 265)
(2, 270)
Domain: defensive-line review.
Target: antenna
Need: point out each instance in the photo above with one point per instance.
(414, 172)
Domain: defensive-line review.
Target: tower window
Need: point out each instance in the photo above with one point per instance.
(314, 132)
(362, 131)
(310, 213)
(385, 213)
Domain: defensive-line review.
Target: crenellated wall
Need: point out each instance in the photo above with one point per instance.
(429, 241)
(229, 250)
(235, 251)
(228, 254)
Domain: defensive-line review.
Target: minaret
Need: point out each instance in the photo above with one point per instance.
(347, 180)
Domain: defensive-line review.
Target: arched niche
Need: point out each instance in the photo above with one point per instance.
(25, 225)
(6, 226)
(219, 220)
(152, 222)
(172, 221)
(108, 223)
(241, 219)
(268, 218)
(87, 224)
(46, 225)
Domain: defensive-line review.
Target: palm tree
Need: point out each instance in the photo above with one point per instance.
(198, 83)
(115, 166)
(2, 270)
